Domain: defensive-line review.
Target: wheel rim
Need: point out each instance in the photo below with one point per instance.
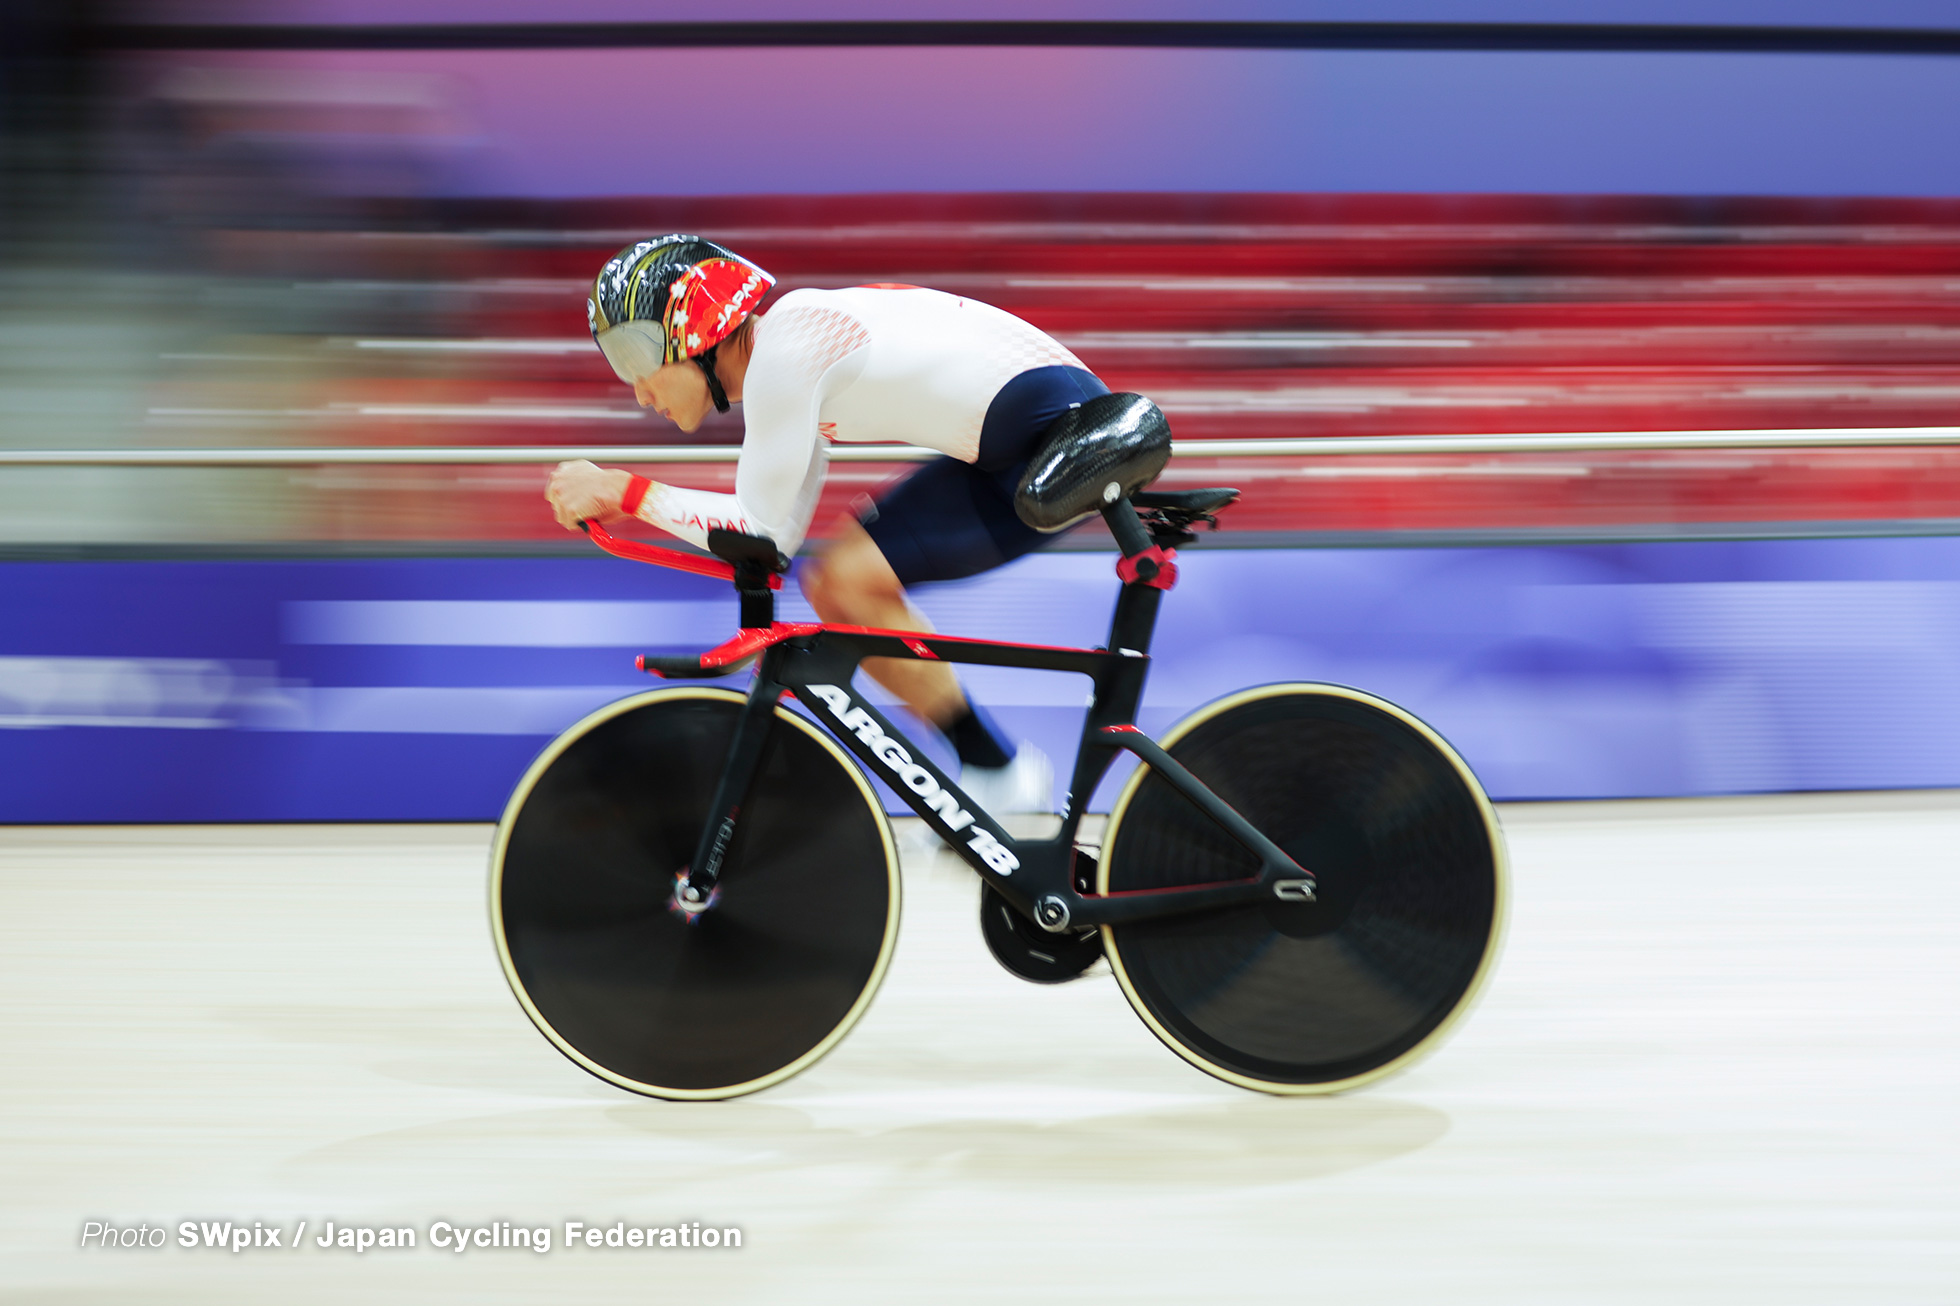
(1324, 996)
(749, 992)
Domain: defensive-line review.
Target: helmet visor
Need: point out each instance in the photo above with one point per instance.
(635, 349)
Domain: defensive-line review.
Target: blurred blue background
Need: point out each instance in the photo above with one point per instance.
(418, 689)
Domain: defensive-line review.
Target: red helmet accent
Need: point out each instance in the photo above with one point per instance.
(709, 301)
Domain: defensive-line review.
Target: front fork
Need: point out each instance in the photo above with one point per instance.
(694, 886)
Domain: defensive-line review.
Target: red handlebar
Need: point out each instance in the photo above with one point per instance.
(660, 557)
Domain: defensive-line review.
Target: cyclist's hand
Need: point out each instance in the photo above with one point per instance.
(581, 491)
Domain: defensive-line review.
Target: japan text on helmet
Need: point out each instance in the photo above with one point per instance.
(673, 297)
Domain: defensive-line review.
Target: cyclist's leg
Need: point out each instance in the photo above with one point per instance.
(858, 581)
(947, 521)
(853, 584)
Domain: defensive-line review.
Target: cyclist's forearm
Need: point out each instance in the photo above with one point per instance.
(690, 514)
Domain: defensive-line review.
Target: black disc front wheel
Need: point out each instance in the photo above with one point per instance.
(732, 999)
(1291, 997)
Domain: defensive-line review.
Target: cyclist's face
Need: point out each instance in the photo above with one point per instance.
(678, 392)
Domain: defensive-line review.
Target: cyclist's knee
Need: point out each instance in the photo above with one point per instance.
(850, 576)
(819, 588)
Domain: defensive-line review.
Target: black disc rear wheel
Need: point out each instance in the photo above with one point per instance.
(748, 992)
(1321, 996)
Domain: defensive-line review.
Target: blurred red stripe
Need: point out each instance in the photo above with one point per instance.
(1246, 317)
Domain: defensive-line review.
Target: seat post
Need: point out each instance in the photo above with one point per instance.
(1134, 622)
(1123, 524)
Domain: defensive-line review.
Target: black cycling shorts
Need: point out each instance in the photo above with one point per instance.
(952, 519)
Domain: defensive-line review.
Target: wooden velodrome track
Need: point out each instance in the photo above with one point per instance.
(1717, 1064)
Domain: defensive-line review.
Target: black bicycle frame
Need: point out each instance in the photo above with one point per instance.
(1043, 878)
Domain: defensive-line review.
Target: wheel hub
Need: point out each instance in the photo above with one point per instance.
(688, 901)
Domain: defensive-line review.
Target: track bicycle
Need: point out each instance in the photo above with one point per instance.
(695, 892)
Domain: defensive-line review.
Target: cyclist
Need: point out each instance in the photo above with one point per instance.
(677, 318)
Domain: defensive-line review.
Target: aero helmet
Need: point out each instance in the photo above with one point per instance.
(673, 297)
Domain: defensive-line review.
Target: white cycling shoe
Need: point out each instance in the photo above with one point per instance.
(1027, 784)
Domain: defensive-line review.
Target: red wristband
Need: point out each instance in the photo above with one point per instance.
(636, 490)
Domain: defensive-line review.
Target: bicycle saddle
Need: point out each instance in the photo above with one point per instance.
(1090, 456)
(1192, 503)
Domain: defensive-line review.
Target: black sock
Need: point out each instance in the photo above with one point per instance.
(977, 740)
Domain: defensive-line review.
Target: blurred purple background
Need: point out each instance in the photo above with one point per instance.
(207, 243)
